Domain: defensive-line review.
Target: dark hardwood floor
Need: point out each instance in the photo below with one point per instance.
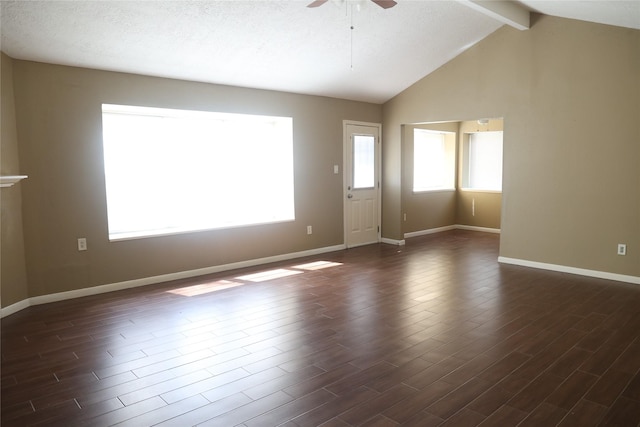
(433, 333)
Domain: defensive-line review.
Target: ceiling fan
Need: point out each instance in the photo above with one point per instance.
(385, 4)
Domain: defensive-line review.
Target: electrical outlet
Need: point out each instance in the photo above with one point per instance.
(622, 249)
(82, 244)
(309, 229)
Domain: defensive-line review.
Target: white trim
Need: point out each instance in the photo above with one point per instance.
(14, 308)
(392, 241)
(478, 190)
(571, 270)
(94, 290)
(138, 235)
(10, 180)
(474, 228)
(429, 231)
(509, 13)
(450, 227)
(435, 190)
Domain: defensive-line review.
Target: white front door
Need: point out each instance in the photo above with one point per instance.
(361, 183)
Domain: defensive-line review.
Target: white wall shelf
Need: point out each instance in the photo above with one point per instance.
(9, 180)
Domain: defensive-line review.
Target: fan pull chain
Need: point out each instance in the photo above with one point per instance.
(351, 33)
(351, 65)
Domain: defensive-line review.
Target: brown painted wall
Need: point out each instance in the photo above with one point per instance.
(13, 280)
(569, 94)
(58, 112)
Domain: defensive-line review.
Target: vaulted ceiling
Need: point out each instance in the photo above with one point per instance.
(277, 45)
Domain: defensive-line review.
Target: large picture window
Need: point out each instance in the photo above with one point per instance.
(171, 171)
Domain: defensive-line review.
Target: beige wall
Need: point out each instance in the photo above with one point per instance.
(13, 280)
(569, 94)
(58, 111)
(478, 209)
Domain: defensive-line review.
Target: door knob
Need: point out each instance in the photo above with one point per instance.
(349, 196)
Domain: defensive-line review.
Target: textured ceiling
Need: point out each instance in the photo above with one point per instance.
(278, 45)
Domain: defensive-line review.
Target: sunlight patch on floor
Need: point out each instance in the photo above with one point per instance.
(262, 276)
(317, 265)
(269, 275)
(205, 288)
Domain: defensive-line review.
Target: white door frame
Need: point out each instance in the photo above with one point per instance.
(345, 175)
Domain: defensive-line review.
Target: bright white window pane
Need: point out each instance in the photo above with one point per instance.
(485, 161)
(171, 171)
(363, 161)
(429, 160)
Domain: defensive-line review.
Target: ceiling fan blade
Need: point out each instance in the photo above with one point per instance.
(385, 4)
(317, 3)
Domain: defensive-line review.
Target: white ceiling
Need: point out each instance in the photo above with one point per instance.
(269, 44)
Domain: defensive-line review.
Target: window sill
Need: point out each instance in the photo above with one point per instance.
(10, 180)
(135, 235)
(479, 190)
(435, 190)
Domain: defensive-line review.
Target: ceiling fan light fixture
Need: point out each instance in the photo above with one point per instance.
(385, 4)
(317, 3)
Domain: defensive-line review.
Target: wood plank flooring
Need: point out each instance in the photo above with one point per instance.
(433, 333)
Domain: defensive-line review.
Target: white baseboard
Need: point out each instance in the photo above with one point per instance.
(474, 228)
(392, 241)
(571, 270)
(429, 231)
(14, 308)
(450, 227)
(94, 290)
